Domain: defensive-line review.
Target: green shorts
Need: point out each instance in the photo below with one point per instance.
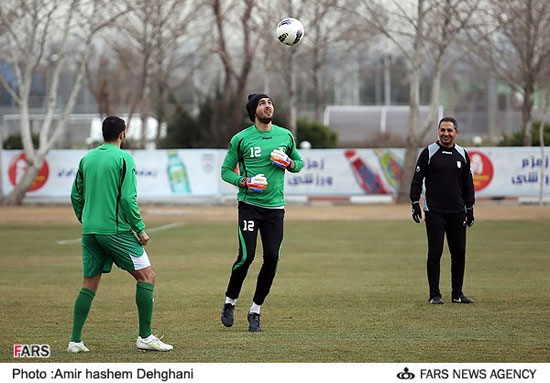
(99, 251)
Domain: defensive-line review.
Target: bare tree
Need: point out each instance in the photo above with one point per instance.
(424, 31)
(32, 27)
(152, 35)
(111, 76)
(328, 26)
(305, 64)
(238, 18)
(172, 27)
(280, 59)
(137, 48)
(99, 82)
(517, 49)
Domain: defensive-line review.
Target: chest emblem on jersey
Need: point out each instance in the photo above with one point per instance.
(458, 164)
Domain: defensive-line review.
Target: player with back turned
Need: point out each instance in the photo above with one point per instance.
(264, 152)
(104, 199)
(449, 200)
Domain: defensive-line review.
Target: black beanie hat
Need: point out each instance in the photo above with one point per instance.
(252, 104)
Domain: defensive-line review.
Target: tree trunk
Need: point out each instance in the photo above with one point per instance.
(526, 110)
(144, 128)
(160, 111)
(26, 131)
(492, 108)
(317, 75)
(413, 141)
(387, 80)
(220, 128)
(145, 112)
(319, 91)
(17, 195)
(434, 101)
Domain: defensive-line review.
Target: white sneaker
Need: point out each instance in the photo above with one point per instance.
(154, 344)
(75, 348)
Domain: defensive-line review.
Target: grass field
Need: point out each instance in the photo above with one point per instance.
(346, 291)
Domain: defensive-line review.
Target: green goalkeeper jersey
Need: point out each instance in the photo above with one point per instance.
(251, 150)
(104, 193)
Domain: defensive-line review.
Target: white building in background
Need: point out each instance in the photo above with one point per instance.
(367, 125)
(82, 130)
(134, 130)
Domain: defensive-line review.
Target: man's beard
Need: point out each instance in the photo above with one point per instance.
(265, 120)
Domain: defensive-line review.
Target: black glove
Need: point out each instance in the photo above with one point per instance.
(469, 220)
(416, 212)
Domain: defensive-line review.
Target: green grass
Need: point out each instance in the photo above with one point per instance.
(344, 292)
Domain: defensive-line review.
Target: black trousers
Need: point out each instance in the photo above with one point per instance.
(437, 226)
(270, 224)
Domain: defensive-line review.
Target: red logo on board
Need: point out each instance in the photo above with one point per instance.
(17, 168)
(482, 169)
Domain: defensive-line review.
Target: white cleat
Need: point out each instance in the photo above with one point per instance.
(154, 344)
(76, 347)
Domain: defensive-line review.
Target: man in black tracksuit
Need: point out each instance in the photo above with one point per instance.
(448, 204)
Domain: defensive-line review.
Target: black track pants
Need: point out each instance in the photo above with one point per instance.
(437, 226)
(270, 224)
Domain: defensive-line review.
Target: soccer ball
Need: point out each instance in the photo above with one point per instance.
(290, 31)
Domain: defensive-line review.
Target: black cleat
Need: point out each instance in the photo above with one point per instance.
(254, 322)
(227, 314)
(436, 300)
(462, 299)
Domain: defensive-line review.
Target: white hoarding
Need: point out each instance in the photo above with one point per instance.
(161, 173)
(498, 172)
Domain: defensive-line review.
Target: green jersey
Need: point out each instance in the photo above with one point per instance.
(251, 149)
(104, 193)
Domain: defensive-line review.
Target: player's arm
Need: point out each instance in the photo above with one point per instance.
(128, 196)
(416, 185)
(468, 184)
(468, 192)
(77, 194)
(418, 177)
(231, 159)
(296, 160)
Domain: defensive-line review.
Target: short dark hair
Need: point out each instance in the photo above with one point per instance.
(112, 127)
(448, 119)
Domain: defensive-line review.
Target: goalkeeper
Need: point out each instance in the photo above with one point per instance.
(263, 152)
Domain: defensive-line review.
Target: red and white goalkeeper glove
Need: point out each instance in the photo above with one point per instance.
(257, 184)
(280, 159)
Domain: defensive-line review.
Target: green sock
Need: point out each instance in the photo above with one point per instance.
(81, 310)
(144, 301)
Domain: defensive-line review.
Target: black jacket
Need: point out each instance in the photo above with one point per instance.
(448, 179)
